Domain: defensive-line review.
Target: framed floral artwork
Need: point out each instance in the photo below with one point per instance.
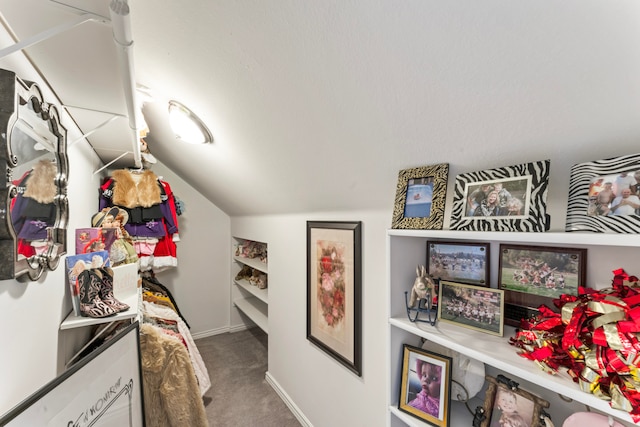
(425, 389)
(334, 288)
(420, 198)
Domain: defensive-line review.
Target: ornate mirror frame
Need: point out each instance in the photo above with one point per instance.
(30, 133)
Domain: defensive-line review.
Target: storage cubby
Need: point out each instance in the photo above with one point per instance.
(250, 293)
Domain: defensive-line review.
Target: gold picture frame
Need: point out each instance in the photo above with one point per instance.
(420, 198)
(429, 398)
(473, 307)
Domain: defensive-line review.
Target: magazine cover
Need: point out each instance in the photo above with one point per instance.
(94, 239)
(76, 264)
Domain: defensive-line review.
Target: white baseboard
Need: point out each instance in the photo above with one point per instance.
(287, 400)
(218, 331)
(209, 333)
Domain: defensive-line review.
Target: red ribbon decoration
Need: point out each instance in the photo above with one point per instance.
(614, 347)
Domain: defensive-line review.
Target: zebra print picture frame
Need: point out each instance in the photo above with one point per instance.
(604, 196)
(510, 198)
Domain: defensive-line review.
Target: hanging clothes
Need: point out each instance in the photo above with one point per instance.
(152, 224)
(170, 388)
(33, 210)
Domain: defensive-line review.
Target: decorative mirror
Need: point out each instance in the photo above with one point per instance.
(33, 197)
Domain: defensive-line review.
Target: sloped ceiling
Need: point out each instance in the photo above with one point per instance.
(316, 105)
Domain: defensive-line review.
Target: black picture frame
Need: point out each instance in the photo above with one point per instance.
(334, 290)
(461, 262)
(434, 410)
(589, 209)
(420, 198)
(104, 387)
(557, 271)
(523, 209)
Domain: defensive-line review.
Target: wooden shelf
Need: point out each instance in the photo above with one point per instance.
(255, 309)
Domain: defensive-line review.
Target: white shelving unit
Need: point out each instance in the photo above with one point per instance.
(252, 301)
(407, 248)
(73, 321)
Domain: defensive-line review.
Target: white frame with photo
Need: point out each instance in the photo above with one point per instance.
(579, 216)
(532, 217)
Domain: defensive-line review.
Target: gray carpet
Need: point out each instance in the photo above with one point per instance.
(239, 394)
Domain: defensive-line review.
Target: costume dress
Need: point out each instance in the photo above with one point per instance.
(426, 403)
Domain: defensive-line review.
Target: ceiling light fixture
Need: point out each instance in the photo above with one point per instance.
(187, 126)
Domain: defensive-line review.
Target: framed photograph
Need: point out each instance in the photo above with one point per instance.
(604, 196)
(104, 388)
(473, 307)
(507, 405)
(512, 198)
(334, 290)
(425, 385)
(420, 198)
(534, 275)
(459, 262)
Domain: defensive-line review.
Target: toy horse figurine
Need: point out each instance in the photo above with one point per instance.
(423, 287)
(422, 294)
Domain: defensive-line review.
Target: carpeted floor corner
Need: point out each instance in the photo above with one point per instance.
(239, 394)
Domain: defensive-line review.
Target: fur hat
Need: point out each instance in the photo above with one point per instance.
(98, 219)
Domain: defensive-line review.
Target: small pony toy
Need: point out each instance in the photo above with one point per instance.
(423, 287)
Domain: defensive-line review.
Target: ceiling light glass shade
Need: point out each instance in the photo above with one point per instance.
(187, 126)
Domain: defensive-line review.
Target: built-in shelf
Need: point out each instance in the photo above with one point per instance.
(253, 263)
(252, 301)
(255, 310)
(407, 248)
(73, 321)
(261, 294)
(460, 416)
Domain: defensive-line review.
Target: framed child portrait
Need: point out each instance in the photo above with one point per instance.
(425, 385)
(507, 405)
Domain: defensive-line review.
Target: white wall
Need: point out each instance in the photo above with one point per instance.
(201, 283)
(34, 349)
(327, 393)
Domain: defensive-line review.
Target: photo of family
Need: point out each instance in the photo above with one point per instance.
(611, 195)
(498, 198)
